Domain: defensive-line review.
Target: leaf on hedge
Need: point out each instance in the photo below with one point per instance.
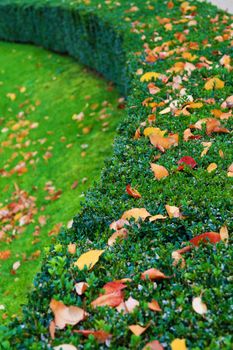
(88, 259)
(154, 306)
(157, 217)
(149, 76)
(100, 336)
(198, 306)
(159, 171)
(224, 235)
(52, 329)
(173, 212)
(212, 237)
(230, 171)
(137, 329)
(81, 287)
(153, 274)
(66, 315)
(178, 344)
(214, 83)
(178, 258)
(187, 160)
(118, 235)
(65, 347)
(211, 167)
(5, 254)
(114, 286)
(153, 345)
(136, 213)
(110, 299)
(214, 125)
(72, 248)
(154, 131)
(127, 306)
(132, 192)
(164, 142)
(119, 224)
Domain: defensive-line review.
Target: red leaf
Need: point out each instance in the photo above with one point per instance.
(114, 286)
(111, 299)
(211, 237)
(189, 161)
(132, 192)
(101, 336)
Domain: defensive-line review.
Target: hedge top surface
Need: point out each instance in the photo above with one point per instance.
(174, 151)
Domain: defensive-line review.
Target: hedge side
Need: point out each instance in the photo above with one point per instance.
(124, 41)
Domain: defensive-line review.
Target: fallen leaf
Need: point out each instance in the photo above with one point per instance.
(224, 235)
(120, 234)
(101, 336)
(153, 345)
(157, 217)
(16, 265)
(66, 315)
(88, 259)
(65, 347)
(230, 170)
(136, 213)
(81, 287)
(173, 212)
(119, 224)
(137, 330)
(52, 329)
(4, 255)
(186, 160)
(154, 306)
(159, 171)
(206, 146)
(110, 299)
(164, 142)
(149, 76)
(153, 274)
(212, 167)
(214, 83)
(212, 237)
(178, 344)
(198, 306)
(114, 286)
(214, 125)
(154, 131)
(72, 248)
(177, 257)
(131, 304)
(132, 192)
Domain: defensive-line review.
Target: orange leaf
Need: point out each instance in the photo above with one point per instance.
(111, 299)
(132, 192)
(212, 237)
(212, 167)
(5, 254)
(173, 212)
(164, 142)
(101, 336)
(153, 274)
(64, 315)
(137, 330)
(121, 234)
(154, 306)
(154, 345)
(136, 213)
(114, 286)
(214, 125)
(72, 248)
(159, 171)
(52, 329)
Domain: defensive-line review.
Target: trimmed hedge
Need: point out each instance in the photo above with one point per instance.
(116, 39)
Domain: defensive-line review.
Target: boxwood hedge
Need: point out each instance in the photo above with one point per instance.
(187, 43)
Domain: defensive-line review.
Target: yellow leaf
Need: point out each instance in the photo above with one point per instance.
(198, 306)
(11, 96)
(159, 171)
(88, 259)
(224, 234)
(178, 344)
(188, 56)
(157, 217)
(154, 131)
(195, 105)
(206, 146)
(214, 83)
(212, 167)
(136, 213)
(165, 111)
(149, 76)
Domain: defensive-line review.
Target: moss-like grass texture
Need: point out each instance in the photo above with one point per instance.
(57, 127)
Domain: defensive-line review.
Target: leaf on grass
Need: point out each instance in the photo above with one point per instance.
(211, 167)
(88, 259)
(214, 83)
(132, 192)
(214, 125)
(66, 315)
(157, 217)
(159, 171)
(111, 299)
(186, 160)
(120, 234)
(198, 306)
(206, 146)
(65, 347)
(81, 287)
(153, 274)
(173, 212)
(149, 76)
(137, 329)
(136, 213)
(230, 171)
(154, 306)
(153, 345)
(178, 344)
(101, 336)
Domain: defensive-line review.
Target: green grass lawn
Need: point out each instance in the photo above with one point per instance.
(57, 122)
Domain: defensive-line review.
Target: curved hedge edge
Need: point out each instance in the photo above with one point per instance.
(150, 244)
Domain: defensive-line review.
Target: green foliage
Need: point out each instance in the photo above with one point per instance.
(204, 198)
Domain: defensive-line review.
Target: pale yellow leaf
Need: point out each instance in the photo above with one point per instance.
(136, 213)
(157, 217)
(224, 234)
(198, 306)
(88, 259)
